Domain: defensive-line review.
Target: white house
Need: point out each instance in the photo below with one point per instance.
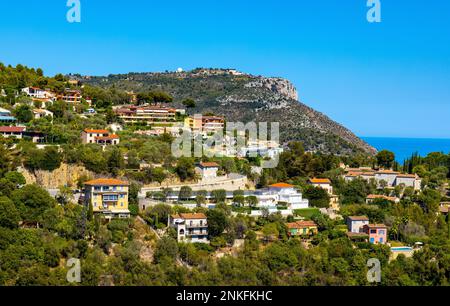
(34, 92)
(356, 224)
(41, 113)
(101, 137)
(281, 192)
(207, 170)
(190, 227)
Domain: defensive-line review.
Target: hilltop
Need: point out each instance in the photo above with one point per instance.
(244, 97)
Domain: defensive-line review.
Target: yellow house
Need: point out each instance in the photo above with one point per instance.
(108, 197)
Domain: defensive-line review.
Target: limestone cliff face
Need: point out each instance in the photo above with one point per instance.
(277, 85)
(64, 175)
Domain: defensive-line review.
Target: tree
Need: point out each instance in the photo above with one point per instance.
(238, 197)
(16, 178)
(217, 222)
(185, 169)
(115, 161)
(318, 197)
(166, 248)
(219, 195)
(65, 195)
(189, 103)
(251, 201)
(23, 113)
(32, 201)
(200, 197)
(385, 159)
(270, 232)
(185, 193)
(9, 216)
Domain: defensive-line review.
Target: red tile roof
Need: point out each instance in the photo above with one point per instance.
(358, 218)
(189, 216)
(301, 224)
(106, 182)
(12, 129)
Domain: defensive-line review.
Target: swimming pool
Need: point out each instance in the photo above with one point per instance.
(401, 249)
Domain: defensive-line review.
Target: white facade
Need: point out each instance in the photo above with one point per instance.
(207, 170)
(35, 92)
(190, 227)
(281, 193)
(356, 224)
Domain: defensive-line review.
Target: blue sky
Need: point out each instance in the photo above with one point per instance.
(386, 79)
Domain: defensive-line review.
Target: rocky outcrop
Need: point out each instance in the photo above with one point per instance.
(64, 175)
(276, 85)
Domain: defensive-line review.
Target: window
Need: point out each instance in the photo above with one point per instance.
(373, 231)
(372, 240)
(381, 240)
(381, 232)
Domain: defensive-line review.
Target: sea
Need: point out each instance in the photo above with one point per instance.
(403, 148)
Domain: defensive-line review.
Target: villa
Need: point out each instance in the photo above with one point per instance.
(207, 170)
(12, 131)
(322, 183)
(377, 233)
(41, 113)
(355, 224)
(101, 137)
(390, 178)
(190, 227)
(108, 197)
(302, 228)
(6, 117)
(35, 92)
(71, 96)
(280, 194)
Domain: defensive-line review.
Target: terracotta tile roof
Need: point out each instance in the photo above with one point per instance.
(358, 218)
(190, 216)
(387, 172)
(376, 226)
(12, 129)
(281, 185)
(301, 224)
(112, 136)
(320, 181)
(209, 165)
(96, 131)
(106, 182)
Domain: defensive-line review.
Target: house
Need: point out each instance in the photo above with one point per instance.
(377, 233)
(302, 228)
(12, 131)
(372, 197)
(281, 193)
(159, 114)
(323, 183)
(190, 227)
(6, 117)
(35, 92)
(71, 96)
(355, 224)
(288, 194)
(199, 124)
(108, 197)
(207, 170)
(41, 113)
(101, 137)
(444, 208)
(390, 178)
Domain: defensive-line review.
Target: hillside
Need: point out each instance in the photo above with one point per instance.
(243, 97)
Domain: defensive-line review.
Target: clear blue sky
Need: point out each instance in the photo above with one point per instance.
(386, 79)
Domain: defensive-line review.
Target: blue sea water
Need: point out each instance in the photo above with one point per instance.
(405, 147)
